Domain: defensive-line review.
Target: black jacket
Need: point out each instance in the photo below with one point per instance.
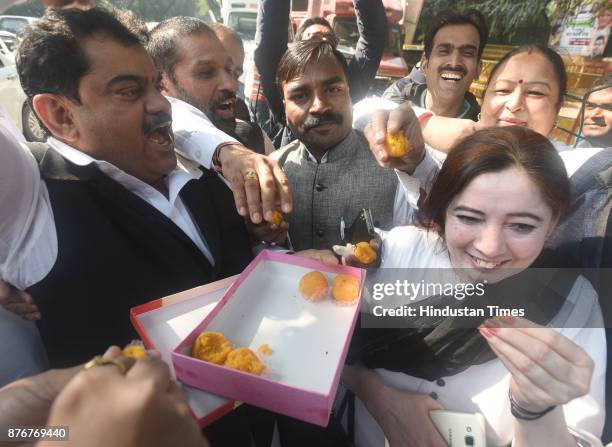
(116, 251)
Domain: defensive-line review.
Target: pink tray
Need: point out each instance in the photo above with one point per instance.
(309, 341)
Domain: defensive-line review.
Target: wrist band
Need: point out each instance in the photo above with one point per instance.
(526, 415)
(216, 162)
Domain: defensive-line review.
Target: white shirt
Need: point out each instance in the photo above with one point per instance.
(484, 388)
(194, 134)
(28, 239)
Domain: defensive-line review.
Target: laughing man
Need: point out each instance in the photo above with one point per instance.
(454, 43)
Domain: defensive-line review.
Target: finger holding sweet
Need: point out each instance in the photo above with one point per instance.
(395, 138)
(257, 182)
(547, 368)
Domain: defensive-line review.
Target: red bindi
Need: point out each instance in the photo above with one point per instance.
(520, 81)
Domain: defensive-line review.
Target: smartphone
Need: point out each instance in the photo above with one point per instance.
(361, 230)
(460, 429)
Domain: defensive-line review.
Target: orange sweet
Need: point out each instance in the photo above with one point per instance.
(243, 359)
(365, 253)
(277, 218)
(313, 286)
(397, 144)
(211, 347)
(135, 351)
(345, 289)
(264, 349)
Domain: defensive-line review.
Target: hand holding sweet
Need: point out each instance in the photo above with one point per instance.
(402, 121)
(547, 368)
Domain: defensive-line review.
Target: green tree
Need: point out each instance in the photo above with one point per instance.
(516, 22)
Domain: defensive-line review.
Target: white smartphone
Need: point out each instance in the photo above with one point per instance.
(460, 429)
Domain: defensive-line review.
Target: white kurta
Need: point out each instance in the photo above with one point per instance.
(484, 388)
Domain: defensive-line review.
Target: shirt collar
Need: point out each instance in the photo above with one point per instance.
(184, 171)
(338, 152)
(465, 108)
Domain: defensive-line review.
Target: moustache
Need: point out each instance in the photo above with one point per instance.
(325, 118)
(458, 69)
(597, 121)
(158, 118)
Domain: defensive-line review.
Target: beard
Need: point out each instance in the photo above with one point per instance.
(227, 125)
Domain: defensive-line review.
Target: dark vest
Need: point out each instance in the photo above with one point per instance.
(116, 251)
(323, 193)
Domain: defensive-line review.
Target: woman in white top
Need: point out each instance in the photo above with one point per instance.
(496, 199)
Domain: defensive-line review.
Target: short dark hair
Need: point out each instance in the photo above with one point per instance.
(495, 150)
(301, 54)
(551, 55)
(50, 57)
(134, 23)
(448, 17)
(309, 22)
(163, 40)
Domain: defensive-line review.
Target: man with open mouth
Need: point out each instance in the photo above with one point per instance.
(197, 71)
(453, 43)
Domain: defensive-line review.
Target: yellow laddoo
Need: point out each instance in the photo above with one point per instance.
(365, 253)
(264, 349)
(314, 286)
(243, 359)
(397, 144)
(345, 289)
(135, 351)
(211, 347)
(277, 218)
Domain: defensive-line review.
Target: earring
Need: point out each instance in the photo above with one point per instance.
(478, 117)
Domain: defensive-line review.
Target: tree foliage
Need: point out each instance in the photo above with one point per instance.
(510, 21)
(149, 10)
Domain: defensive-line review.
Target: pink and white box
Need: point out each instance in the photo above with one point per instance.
(309, 340)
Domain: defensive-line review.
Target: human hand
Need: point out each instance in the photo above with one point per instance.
(547, 368)
(18, 302)
(268, 232)
(257, 182)
(400, 120)
(141, 408)
(28, 401)
(324, 256)
(354, 255)
(443, 133)
(402, 415)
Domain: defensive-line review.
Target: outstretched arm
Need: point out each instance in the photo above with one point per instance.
(271, 41)
(372, 25)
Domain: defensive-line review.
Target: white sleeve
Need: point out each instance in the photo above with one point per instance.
(28, 241)
(585, 416)
(362, 111)
(195, 135)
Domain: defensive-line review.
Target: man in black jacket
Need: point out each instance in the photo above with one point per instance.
(454, 43)
(130, 222)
